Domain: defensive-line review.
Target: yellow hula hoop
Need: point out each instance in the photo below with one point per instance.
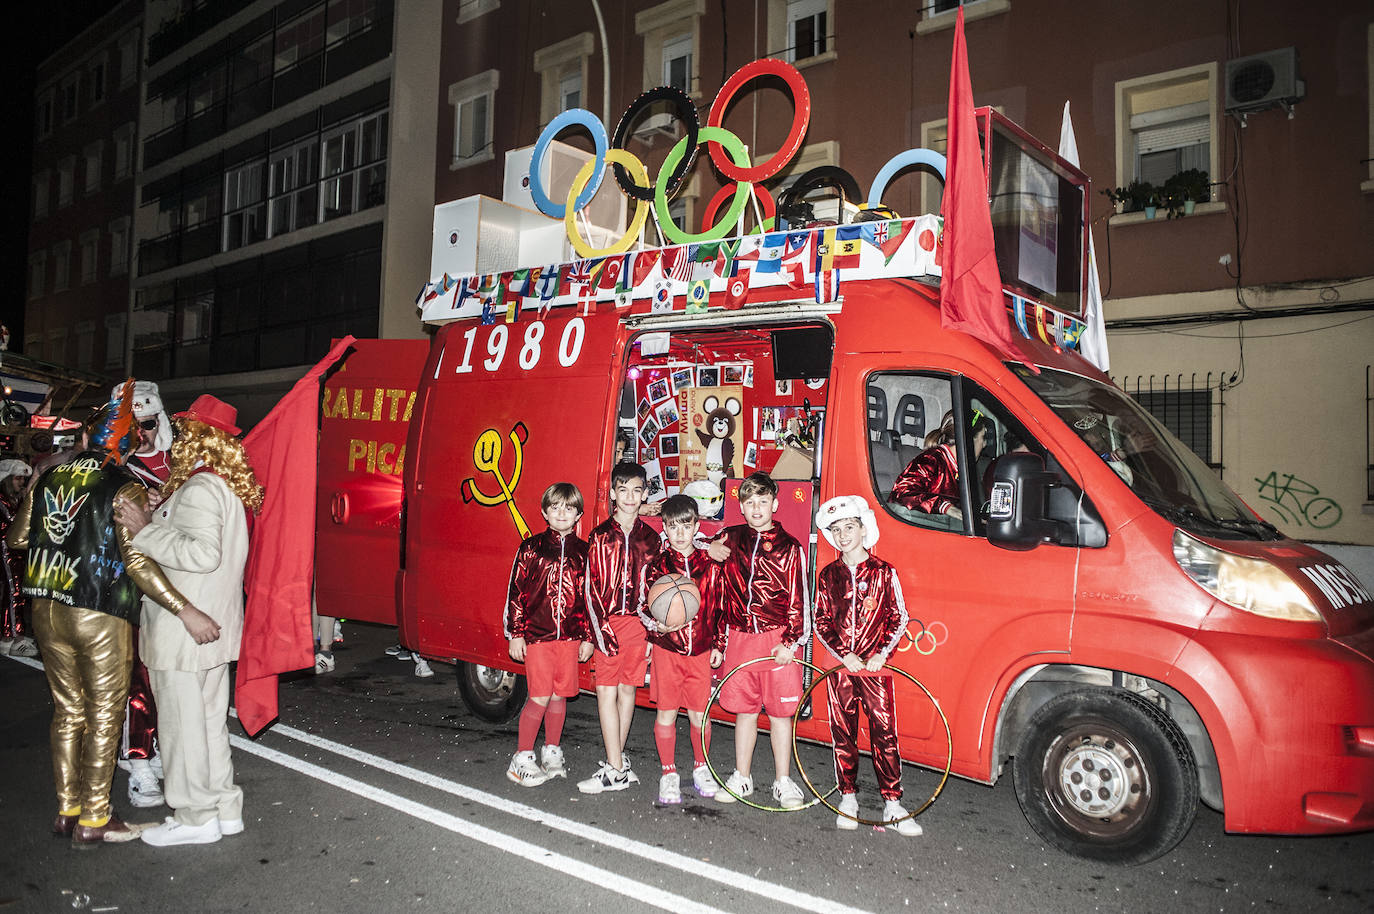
(584, 175)
(949, 741)
(715, 693)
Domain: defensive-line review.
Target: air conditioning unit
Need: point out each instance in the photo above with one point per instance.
(606, 213)
(1260, 81)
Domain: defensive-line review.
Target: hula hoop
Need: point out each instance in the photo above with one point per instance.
(949, 756)
(686, 113)
(735, 146)
(715, 693)
(566, 119)
(631, 161)
(897, 163)
(801, 118)
(770, 209)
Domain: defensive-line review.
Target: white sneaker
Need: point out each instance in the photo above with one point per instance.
(849, 805)
(625, 767)
(736, 785)
(324, 662)
(606, 778)
(23, 646)
(551, 760)
(525, 771)
(892, 811)
(703, 782)
(670, 789)
(144, 790)
(788, 794)
(422, 668)
(156, 763)
(173, 832)
(230, 827)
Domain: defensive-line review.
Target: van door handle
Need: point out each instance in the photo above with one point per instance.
(338, 508)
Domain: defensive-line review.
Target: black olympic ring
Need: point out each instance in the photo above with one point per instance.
(816, 178)
(686, 113)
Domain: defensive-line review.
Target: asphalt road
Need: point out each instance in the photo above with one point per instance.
(379, 792)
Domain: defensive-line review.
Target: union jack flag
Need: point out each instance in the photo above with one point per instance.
(880, 233)
(580, 272)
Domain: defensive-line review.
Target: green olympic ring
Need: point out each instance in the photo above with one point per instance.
(735, 147)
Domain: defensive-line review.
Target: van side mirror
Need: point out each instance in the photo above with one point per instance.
(1016, 511)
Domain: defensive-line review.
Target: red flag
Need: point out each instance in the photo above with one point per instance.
(644, 262)
(971, 297)
(277, 636)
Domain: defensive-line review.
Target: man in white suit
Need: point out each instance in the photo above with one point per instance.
(199, 536)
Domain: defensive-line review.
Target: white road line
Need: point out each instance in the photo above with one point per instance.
(638, 891)
(699, 868)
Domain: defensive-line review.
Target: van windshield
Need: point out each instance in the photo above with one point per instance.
(1159, 468)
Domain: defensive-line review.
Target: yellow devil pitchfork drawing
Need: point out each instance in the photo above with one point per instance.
(486, 456)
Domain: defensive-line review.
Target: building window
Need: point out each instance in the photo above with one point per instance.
(61, 265)
(807, 33)
(245, 205)
(57, 345)
(96, 79)
(123, 151)
(353, 167)
(1166, 123)
(347, 17)
(299, 39)
(115, 325)
(473, 106)
(33, 346)
(128, 59)
(71, 96)
(193, 319)
(251, 63)
(825, 202)
(670, 32)
(66, 180)
(38, 271)
(93, 157)
(1186, 413)
(85, 344)
(41, 193)
(119, 246)
(941, 14)
(562, 70)
(90, 256)
(294, 193)
(46, 102)
(469, 10)
(935, 137)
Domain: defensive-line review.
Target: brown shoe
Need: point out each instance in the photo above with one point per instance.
(62, 825)
(114, 831)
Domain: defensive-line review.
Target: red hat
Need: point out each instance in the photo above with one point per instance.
(213, 412)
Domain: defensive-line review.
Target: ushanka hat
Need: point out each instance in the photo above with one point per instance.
(147, 404)
(843, 507)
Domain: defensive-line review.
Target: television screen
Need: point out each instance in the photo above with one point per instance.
(802, 353)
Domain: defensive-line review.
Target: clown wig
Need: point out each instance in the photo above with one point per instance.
(198, 444)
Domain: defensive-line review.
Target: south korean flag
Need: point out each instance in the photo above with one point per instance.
(663, 297)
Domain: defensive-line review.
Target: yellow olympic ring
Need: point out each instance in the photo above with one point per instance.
(637, 170)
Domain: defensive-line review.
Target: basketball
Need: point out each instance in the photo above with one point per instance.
(674, 600)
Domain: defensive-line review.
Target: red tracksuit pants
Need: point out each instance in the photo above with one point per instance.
(874, 694)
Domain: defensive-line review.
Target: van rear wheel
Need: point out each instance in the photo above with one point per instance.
(1107, 776)
(492, 694)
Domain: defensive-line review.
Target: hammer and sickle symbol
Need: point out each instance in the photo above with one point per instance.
(486, 456)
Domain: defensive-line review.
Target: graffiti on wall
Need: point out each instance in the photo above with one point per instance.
(1297, 501)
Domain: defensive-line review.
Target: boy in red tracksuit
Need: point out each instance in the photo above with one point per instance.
(683, 657)
(766, 614)
(618, 551)
(860, 617)
(549, 629)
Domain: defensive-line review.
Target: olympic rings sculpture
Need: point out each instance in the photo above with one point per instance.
(725, 150)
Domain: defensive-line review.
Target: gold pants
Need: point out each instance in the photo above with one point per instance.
(87, 655)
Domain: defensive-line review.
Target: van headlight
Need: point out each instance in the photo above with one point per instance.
(1253, 585)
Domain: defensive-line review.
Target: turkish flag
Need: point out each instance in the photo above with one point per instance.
(279, 577)
(971, 298)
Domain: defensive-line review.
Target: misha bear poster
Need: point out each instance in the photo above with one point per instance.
(712, 438)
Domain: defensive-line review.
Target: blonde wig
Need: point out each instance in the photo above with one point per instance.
(198, 443)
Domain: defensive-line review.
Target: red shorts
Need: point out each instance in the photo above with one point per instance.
(680, 682)
(551, 668)
(627, 665)
(772, 688)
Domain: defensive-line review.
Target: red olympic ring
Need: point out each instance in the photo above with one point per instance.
(770, 209)
(801, 119)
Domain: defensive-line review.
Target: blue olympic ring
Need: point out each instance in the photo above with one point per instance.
(897, 163)
(566, 119)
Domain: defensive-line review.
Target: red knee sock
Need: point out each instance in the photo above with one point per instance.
(530, 718)
(699, 757)
(665, 737)
(553, 721)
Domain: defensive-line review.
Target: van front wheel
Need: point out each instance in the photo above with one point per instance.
(493, 695)
(1107, 776)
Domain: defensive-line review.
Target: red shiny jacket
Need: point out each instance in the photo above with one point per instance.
(765, 583)
(615, 573)
(704, 632)
(546, 601)
(860, 609)
(930, 483)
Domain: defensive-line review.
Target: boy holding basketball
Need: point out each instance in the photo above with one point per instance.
(765, 615)
(860, 617)
(549, 629)
(618, 552)
(684, 649)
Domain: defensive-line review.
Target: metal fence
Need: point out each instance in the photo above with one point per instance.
(1190, 406)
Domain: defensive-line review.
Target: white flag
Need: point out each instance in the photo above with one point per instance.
(1093, 343)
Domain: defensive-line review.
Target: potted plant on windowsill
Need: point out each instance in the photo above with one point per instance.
(1138, 196)
(1185, 190)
